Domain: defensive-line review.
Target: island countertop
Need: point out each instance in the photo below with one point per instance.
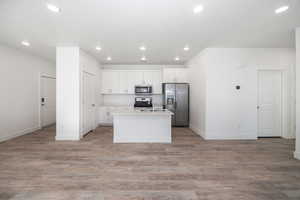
(143, 112)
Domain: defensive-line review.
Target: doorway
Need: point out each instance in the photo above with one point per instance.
(88, 103)
(47, 101)
(269, 103)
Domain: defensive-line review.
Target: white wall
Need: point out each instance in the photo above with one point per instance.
(197, 78)
(297, 152)
(19, 86)
(231, 113)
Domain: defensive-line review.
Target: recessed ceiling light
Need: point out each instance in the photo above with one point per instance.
(25, 43)
(281, 9)
(186, 48)
(53, 8)
(177, 58)
(143, 48)
(198, 9)
(143, 58)
(98, 48)
(108, 58)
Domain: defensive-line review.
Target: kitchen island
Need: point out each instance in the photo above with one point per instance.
(142, 126)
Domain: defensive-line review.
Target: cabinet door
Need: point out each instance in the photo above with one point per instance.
(124, 82)
(154, 78)
(169, 75)
(181, 75)
(109, 115)
(110, 82)
(147, 78)
(157, 82)
(102, 115)
(134, 78)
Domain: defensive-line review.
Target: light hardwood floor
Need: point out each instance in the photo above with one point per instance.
(35, 167)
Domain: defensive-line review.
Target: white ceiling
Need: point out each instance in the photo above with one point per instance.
(164, 26)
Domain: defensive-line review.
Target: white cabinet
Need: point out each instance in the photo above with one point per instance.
(110, 82)
(181, 75)
(102, 115)
(175, 75)
(169, 75)
(154, 78)
(128, 79)
(136, 78)
(105, 115)
(124, 81)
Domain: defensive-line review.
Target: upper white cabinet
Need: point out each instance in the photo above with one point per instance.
(154, 78)
(175, 75)
(128, 79)
(124, 81)
(110, 82)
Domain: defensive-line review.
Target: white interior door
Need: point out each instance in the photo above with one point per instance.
(269, 103)
(89, 103)
(48, 101)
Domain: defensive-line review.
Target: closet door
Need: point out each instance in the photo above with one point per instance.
(89, 103)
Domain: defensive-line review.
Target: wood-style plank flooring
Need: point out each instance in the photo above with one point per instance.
(36, 167)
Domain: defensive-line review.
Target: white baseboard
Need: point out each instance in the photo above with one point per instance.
(197, 131)
(105, 124)
(19, 133)
(66, 138)
(230, 136)
(239, 137)
(289, 137)
(297, 155)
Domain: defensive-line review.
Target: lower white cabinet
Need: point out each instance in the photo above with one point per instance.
(105, 117)
(105, 114)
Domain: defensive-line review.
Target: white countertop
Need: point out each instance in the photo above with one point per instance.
(143, 112)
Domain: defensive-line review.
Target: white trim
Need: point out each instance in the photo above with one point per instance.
(237, 137)
(105, 124)
(297, 155)
(67, 138)
(197, 131)
(19, 133)
(82, 102)
(41, 75)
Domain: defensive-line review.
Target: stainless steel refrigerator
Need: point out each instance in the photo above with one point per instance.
(176, 99)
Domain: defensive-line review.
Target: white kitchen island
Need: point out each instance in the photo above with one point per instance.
(142, 126)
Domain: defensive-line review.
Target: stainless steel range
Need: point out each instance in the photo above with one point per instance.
(143, 102)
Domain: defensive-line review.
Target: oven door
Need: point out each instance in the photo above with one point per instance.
(143, 89)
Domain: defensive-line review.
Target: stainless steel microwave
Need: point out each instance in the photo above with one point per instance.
(143, 89)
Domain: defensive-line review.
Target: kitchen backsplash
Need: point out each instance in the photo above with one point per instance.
(127, 100)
